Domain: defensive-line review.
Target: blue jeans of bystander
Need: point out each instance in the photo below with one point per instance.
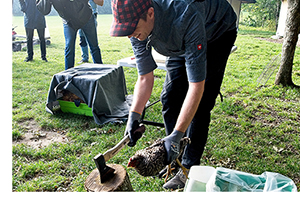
(89, 30)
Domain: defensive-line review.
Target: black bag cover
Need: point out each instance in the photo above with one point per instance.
(44, 6)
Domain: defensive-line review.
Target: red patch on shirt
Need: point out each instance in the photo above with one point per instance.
(199, 47)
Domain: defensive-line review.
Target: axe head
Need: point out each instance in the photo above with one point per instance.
(105, 171)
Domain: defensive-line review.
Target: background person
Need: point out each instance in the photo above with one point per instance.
(76, 14)
(83, 42)
(33, 19)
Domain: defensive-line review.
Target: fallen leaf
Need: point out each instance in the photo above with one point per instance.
(278, 149)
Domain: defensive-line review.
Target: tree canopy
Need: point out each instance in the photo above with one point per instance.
(263, 13)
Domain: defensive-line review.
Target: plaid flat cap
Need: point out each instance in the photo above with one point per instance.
(127, 14)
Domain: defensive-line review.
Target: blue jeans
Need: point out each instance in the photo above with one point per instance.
(89, 30)
(176, 87)
(83, 43)
(83, 46)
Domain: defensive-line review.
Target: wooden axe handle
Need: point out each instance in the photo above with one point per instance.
(116, 149)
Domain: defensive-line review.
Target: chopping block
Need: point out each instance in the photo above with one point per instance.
(118, 182)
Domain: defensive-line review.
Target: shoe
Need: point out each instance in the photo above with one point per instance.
(28, 59)
(177, 182)
(44, 59)
(83, 61)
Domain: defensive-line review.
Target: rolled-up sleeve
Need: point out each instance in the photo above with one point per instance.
(195, 48)
(144, 60)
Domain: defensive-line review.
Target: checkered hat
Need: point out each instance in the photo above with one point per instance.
(126, 15)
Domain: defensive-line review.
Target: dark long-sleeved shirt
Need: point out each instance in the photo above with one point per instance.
(32, 17)
(183, 28)
(75, 13)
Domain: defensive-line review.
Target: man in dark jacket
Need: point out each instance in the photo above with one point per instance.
(33, 19)
(76, 14)
(197, 36)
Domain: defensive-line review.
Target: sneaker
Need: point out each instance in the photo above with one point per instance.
(177, 182)
(83, 61)
(28, 59)
(44, 59)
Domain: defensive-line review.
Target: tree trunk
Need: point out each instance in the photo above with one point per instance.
(292, 28)
(119, 182)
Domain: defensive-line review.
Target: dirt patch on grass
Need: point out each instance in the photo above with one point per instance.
(277, 40)
(37, 137)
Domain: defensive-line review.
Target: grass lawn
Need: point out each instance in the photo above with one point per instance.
(255, 129)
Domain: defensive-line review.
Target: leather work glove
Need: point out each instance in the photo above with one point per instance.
(132, 126)
(172, 145)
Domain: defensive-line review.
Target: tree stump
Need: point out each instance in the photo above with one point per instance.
(119, 182)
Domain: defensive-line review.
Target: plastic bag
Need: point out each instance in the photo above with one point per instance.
(227, 180)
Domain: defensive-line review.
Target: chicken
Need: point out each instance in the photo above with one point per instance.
(151, 160)
(69, 96)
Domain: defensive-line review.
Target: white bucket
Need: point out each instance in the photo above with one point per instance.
(198, 177)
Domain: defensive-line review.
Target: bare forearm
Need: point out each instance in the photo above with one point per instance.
(99, 2)
(190, 106)
(142, 92)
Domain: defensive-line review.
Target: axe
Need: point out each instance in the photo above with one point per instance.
(100, 160)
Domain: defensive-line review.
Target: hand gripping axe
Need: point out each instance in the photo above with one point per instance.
(100, 160)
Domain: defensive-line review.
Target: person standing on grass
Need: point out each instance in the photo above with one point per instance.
(83, 42)
(76, 14)
(197, 36)
(33, 19)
